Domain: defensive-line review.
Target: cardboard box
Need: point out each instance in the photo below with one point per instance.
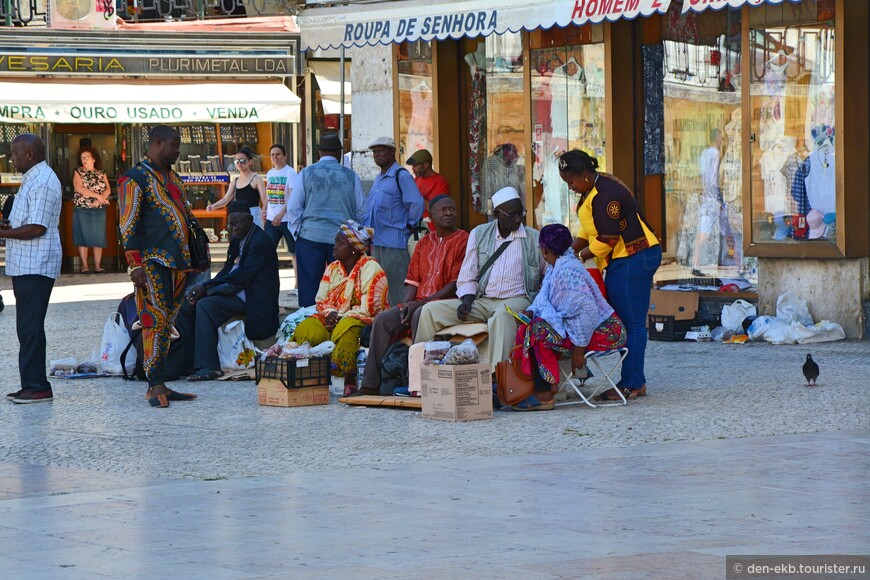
(680, 305)
(457, 392)
(273, 393)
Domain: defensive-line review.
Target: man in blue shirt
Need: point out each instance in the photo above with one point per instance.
(326, 195)
(394, 206)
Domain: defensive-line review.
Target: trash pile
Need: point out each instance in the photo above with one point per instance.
(792, 324)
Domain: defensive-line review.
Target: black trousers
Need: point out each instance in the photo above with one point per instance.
(32, 293)
(198, 326)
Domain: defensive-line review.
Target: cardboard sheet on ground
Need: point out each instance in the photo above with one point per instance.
(83, 376)
(378, 401)
(239, 375)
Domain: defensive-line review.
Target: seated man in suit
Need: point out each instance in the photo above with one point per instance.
(248, 284)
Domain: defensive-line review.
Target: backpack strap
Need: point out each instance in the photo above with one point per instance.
(133, 337)
(418, 227)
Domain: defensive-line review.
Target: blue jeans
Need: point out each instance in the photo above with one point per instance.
(282, 231)
(628, 283)
(311, 261)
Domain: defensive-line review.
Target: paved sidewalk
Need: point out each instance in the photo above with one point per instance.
(730, 453)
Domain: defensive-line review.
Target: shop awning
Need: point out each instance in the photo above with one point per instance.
(701, 5)
(389, 22)
(328, 74)
(147, 102)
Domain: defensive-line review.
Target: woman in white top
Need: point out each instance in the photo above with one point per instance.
(248, 187)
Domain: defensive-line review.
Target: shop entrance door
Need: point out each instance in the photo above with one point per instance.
(66, 144)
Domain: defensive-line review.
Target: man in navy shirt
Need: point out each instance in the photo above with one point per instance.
(394, 206)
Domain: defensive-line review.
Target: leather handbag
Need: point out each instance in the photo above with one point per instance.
(200, 258)
(514, 386)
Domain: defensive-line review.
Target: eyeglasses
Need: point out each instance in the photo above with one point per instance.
(517, 214)
(240, 161)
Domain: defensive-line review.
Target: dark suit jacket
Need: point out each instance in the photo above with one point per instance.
(257, 274)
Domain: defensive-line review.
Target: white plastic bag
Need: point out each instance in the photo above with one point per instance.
(288, 326)
(734, 314)
(761, 325)
(826, 331)
(788, 333)
(235, 350)
(790, 308)
(115, 340)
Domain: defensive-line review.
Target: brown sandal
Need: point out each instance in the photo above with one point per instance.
(612, 395)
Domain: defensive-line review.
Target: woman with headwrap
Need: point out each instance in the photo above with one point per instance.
(569, 316)
(352, 292)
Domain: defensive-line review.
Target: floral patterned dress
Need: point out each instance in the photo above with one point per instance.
(94, 181)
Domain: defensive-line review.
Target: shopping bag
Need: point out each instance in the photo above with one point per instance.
(115, 340)
(235, 350)
(734, 314)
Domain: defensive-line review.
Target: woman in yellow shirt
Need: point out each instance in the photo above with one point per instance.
(612, 231)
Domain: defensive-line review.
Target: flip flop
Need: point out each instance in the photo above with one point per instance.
(99, 271)
(84, 271)
(533, 404)
(176, 396)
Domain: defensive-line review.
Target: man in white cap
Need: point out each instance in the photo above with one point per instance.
(502, 267)
(393, 208)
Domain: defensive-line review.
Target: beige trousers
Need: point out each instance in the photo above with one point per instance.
(502, 327)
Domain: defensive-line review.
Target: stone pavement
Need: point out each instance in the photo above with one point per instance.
(729, 454)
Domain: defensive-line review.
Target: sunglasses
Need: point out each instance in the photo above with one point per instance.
(240, 161)
(514, 214)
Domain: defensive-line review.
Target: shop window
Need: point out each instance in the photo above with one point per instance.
(703, 141)
(568, 112)
(793, 187)
(416, 99)
(497, 155)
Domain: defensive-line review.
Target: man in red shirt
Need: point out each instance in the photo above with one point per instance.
(429, 183)
(432, 275)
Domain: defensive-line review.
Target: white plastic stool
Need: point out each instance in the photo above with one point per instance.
(604, 373)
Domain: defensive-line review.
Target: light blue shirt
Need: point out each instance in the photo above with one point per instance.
(390, 213)
(305, 214)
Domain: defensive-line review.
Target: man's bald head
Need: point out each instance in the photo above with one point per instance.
(161, 133)
(26, 151)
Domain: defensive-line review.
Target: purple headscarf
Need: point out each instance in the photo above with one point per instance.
(556, 238)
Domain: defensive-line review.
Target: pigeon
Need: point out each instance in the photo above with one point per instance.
(811, 370)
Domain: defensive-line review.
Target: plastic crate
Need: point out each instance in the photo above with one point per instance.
(666, 328)
(295, 373)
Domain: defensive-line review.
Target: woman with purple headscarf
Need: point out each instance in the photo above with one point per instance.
(568, 316)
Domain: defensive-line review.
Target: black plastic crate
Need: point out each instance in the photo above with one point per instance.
(295, 373)
(662, 327)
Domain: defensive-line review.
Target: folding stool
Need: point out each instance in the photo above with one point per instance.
(603, 372)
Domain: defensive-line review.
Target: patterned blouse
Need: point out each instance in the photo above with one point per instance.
(94, 181)
(361, 294)
(570, 300)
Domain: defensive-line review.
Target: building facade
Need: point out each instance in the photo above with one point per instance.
(741, 125)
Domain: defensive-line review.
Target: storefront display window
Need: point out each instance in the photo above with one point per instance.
(568, 112)
(497, 154)
(793, 188)
(703, 142)
(416, 99)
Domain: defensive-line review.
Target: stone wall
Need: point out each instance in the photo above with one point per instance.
(371, 74)
(834, 289)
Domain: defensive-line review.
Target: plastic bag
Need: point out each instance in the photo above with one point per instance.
(235, 350)
(733, 314)
(464, 353)
(63, 366)
(323, 349)
(288, 326)
(788, 333)
(435, 351)
(790, 308)
(826, 331)
(761, 325)
(115, 340)
(720, 333)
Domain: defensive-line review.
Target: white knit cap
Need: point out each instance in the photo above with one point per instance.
(504, 195)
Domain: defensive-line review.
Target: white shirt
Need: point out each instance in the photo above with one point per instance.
(279, 184)
(37, 202)
(506, 279)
